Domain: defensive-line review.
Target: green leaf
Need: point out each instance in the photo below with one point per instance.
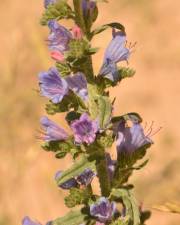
(104, 111)
(70, 101)
(106, 26)
(130, 203)
(121, 221)
(132, 116)
(72, 218)
(59, 10)
(61, 148)
(76, 169)
(63, 68)
(77, 197)
(92, 102)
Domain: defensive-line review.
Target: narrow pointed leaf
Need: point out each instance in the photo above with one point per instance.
(76, 169)
(72, 218)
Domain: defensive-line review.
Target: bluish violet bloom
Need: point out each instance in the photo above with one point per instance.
(28, 221)
(115, 52)
(88, 7)
(110, 165)
(85, 129)
(103, 210)
(59, 37)
(52, 132)
(52, 85)
(130, 139)
(49, 2)
(86, 177)
(78, 84)
(71, 183)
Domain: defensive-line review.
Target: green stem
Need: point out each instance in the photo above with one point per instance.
(88, 70)
(103, 176)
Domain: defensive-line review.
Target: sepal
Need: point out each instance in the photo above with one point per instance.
(77, 197)
(59, 10)
(77, 168)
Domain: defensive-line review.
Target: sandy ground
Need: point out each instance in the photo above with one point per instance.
(26, 185)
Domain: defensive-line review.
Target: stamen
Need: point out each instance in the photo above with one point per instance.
(155, 132)
(150, 128)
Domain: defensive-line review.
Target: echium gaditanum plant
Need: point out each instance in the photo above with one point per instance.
(72, 87)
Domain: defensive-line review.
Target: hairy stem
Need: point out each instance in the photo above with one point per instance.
(88, 68)
(102, 172)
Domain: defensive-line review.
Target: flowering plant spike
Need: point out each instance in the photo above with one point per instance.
(71, 86)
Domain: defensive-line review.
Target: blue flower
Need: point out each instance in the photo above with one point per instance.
(28, 221)
(103, 210)
(85, 129)
(86, 177)
(88, 7)
(78, 84)
(52, 85)
(52, 132)
(115, 52)
(59, 37)
(71, 183)
(49, 2)
(130, 139)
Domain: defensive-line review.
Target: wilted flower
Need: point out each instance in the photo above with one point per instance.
(88, 7)
(77, 33)
(103, 210)
(129, 139)
(28, 221)
(85, 129)
(86, 177)
(68, 184)
(115, 52)
(57, 56)
(52, 85)
(78, 84)
(49, 2)
(59, 37)
(52, 132)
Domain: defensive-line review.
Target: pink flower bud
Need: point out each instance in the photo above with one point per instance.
(77, 32)
(58, 56)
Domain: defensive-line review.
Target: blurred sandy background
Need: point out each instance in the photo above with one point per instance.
(26, 184)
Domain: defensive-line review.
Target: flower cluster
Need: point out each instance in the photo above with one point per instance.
(71, 86)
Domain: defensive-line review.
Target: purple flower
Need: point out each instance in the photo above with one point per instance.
(78, 85)
(130, 139)
(52, 132)
(86, 177)
(85, 129)
(115, 52)
(28, 221)
(88, 7)
(49, 2)
(71, 183)
(52, 85)
(59, 37)
(103, 210)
